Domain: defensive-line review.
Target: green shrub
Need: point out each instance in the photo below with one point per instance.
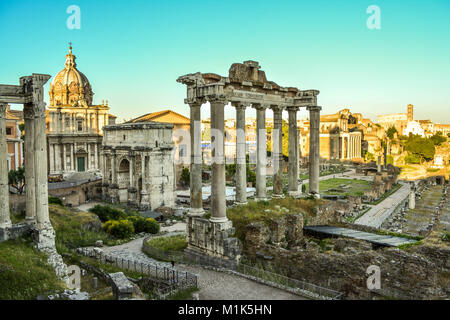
(151, 226)
(106, 213)
(119, 228)
(185, 176)
(142, 224)
(55, 200)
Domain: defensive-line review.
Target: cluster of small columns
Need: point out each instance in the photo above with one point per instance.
(35, 158)
(218, 198)
(59, 154)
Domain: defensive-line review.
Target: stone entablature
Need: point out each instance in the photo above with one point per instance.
(138, 165)
(246, 84)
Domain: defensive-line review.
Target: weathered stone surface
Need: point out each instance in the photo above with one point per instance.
(404, 274)
(138, 159)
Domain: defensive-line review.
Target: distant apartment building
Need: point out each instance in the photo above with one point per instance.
(15, 158)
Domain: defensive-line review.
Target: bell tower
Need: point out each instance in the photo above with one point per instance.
(410, 112)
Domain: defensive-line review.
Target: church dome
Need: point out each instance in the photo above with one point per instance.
(70, 86)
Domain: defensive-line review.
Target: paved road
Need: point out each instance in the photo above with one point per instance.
(380, 212)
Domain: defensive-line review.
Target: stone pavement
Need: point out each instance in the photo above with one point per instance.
(216, 285)
(212, 284)
(380, 212)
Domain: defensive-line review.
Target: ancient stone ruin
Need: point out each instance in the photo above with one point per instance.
(245, 86)
(29, 93)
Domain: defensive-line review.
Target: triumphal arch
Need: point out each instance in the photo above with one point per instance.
(245, 86)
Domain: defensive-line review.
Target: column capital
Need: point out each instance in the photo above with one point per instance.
(259, 106)
(217, 98)
(3, 107)
(276, 108)
(195, 102)
(239, 105)
(314, 108)
(292, 108)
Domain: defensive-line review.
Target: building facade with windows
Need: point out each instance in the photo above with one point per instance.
(15, 158)
(74, 123)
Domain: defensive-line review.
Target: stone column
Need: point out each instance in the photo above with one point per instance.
(241, 159)
(144, 205)
(40, 163)
(96, 164)
(30, 187)
(379, 164)
(52, 158)
(72, 160)
(64, 158)
(5, 220)
(196, 208)
(132, 187)
(293, 153)
(114, 188)
(218, 196)
(277, 152)
(314, 149)
(105, 176)
(261, 152)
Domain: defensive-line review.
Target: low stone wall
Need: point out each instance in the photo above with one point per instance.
(15, 231)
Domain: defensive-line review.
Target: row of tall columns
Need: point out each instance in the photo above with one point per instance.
(354, 147)
(59, 163)
(218, 196)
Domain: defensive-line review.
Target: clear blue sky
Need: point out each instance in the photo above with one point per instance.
(133, 51)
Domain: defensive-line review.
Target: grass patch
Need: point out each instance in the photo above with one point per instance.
(264, 211)
(400, 235)
(344, 187)
(24, 272)
(409, 245)
(174, 243)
